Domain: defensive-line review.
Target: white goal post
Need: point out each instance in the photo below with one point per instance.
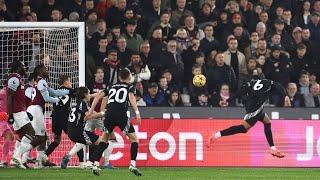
(51, 32)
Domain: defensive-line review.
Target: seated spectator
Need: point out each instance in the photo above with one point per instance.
(296, 99)
(313, 78)
(218, 97)
(262, 49)
(242, 36)
(124, 54)
(163, 86)
(144, 52)
(101, 54)
(183, 40)
(167, 30)
(304, 83)
(174, 99)
(203, 100)
(250, 50)
(261, 60)
(314, 27)
(178, 15)
(208, 43)
(168, 75)
(206, 16)
(139, 71)
(253, 69)
(140, 101)
(313, 99)
(74, 17)
(111, 67)
(192, 29)
(56, 15)
(153, 97)
(91, 23)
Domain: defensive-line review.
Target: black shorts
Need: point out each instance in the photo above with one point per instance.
(83, 137)
(253, 119)
(122, 121)
(59, 124)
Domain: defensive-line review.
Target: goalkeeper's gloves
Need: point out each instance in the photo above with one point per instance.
(30, 116)
(10, 119)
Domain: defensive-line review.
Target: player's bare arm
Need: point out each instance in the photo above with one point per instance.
(134, 106)
(95, 101)
(104, 104)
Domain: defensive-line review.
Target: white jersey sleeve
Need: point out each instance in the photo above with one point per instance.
(13, 83)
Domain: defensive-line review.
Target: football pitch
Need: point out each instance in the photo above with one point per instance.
(164, 173)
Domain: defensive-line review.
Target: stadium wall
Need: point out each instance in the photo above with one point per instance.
(174, 140)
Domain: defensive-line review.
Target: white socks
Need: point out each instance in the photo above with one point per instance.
(77, 147)
(108, 152)
(217, 135)
(133, 163)
(25, 146)
(273, 148)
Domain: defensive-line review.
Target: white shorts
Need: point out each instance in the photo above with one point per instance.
(91, 125)
(20, 120)
(38, 122)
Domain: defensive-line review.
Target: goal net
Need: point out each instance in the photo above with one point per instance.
(60, 46)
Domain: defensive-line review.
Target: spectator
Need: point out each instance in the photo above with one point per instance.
(74, 17)
(250, 50)
(173, 62)
(153, 97)
(115, 14)
(224, 27)
(163, 86)
(192, 29)
(124, 54)
(133, 39)
(189, 57)
(99, 80)
(111, 67)
(4, 12)
(313, 99)
(91, 23)
(140, 72)
(100, 31)
(278, 67)
(242, 37)
(223, 94)
(304, 83)
(153, 14)
(208, 43)
(299, 61)
(302, 17)
(296, 99)
(178, 15)
(166, 27)
(316, 6)
(101, 54)
(56, 15)
(312, 78)
(89, 5)
(206, 15)
(297, 36)
(261, 30)
(253, 69)
(203, 100)
(168, 75)
(288, 25)
(183, 40)
(236, 59)
(78, 7)
(192, 89)
(279, 31)
(144, 52)
(219, 74)
(314, 26)
(139, 98)
(174, 99)
(262, 49)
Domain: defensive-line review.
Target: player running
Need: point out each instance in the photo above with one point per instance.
(16, 108)
(60, 116)
(41, 95)
(254, 94)
(118, 96)
(76, 132)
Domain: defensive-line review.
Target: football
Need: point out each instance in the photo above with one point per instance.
(199, 80)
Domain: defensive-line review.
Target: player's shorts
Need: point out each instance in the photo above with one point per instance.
(83, 137)
(91, 125)
(4, 127)
(122, 121)
(252, 119)
(59, 124)
(20, 120)
(38, 122)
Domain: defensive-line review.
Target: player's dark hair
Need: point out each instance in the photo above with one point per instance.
(124, 73)
(15, 65)
(63, 78)
(81, 93)
(37, 70)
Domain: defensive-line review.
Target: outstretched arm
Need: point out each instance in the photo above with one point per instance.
(239, 93)
(58, 92)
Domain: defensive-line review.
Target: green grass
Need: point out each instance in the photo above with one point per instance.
(164, 174)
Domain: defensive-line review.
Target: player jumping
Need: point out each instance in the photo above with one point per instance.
(60, 116)
(254, 95)
(118, 96)
(76, 132)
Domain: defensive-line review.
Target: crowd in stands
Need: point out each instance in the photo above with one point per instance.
(166, 42)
